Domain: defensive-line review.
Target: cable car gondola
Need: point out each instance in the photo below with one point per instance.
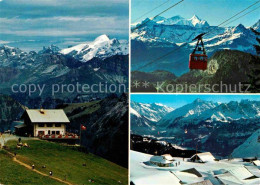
(198, 58)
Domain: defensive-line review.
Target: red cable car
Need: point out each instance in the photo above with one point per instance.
(198, 58)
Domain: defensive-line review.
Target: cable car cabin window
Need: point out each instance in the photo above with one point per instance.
(57, 124)
(40, 124)
(49, 125)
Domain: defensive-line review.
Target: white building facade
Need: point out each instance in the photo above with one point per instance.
(45, 122)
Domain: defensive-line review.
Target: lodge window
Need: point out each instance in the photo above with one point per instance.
(57, 132)
(41, 124)
(57, 124)
(49, 124)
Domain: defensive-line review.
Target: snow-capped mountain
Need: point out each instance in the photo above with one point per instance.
(144, 116)
(256, 26)
(208, 111)
(189, 112)
(50, 66)
(177, 30)
(195, 21)
(174, 30)
(153, 112)
(250, 148)
(157, 37)
(139, 123)
(237, 38)
(102, 47)
(216, 127)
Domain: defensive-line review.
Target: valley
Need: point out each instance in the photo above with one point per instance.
(206, 125)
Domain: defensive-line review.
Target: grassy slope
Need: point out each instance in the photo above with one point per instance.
(81, 109)
(13, 173)
(66, 161)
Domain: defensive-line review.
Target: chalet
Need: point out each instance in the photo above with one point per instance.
(42, 122)
(202, 157)
(161, 161)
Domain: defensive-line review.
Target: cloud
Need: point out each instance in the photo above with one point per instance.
(3, 41)
(66, 2)
(50, 8)
(61, 21)
(64, 26)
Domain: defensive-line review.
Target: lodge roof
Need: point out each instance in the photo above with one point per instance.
(46, 116)
(205, 157)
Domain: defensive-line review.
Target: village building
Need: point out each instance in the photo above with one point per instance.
(161, 161)
(256, 162)
(43, 122)
(202, 157)
(241, 173)
(227, 178)
(193, 171)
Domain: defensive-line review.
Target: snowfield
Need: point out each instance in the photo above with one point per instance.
(250, 148)
(217, 172)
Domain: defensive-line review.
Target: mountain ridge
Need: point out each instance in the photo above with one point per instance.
(152, 40)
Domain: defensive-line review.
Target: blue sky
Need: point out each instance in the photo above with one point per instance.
(213, 11)
(175, 101)
(30, 24)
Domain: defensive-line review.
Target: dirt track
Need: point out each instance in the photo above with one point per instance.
(36, 171)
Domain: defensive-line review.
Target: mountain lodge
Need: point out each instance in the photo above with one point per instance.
(38, 123)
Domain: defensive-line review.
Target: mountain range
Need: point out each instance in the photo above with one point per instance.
(101, 61)
(204, 122)
(105, 114)
(162, 35)
(211, 112)
(102, 47)
(144, 115)
(153, 112)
